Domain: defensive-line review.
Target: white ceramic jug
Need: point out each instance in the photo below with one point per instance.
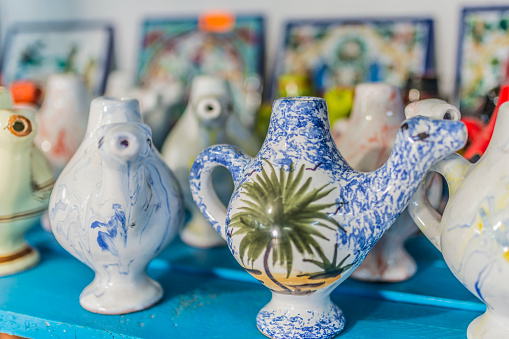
(115, 206)
(473, 232)
(62, 118)
(208, 119)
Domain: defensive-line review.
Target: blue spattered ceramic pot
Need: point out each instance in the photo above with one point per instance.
(301, 219)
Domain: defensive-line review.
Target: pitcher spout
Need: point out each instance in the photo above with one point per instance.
(420, 143)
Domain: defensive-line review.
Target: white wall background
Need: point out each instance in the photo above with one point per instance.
(127, 16)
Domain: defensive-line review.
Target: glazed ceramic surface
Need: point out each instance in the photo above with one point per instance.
(433, 108)
(374, 122)
(27, 180)
(473, 233)
(62, 118)
(301, 220)
(208, 119)
(160, 102)
(366, 145)
(115, 206)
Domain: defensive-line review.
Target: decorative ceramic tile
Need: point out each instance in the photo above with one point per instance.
(483, 55)
(345, 52)
(35, 50)
(178, 49)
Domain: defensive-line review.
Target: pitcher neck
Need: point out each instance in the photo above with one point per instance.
(299, 127)
(303, 117)
(105, 111)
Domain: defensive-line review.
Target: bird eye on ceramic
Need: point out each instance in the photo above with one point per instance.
(25, 187)
(208, 119)
(472, 232)
(301, 220)
(366, 145)
(115, 206)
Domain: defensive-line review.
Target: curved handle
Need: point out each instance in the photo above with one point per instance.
(454, 169)
(235, 160)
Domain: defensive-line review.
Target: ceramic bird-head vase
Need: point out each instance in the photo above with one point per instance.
(115, 206)
(27, 179)
(473, 233)
(209, 119)
(62, 118)
(301, 220)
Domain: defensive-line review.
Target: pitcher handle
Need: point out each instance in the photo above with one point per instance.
(204, 195)
(453, 168)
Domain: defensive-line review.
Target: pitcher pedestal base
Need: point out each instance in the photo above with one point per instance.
(300, 317)
(488, 326)
(106, 297)
(19, 261)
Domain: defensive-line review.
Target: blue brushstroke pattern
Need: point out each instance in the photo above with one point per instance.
(106, 240)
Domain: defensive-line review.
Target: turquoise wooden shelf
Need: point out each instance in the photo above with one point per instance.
(208, 295)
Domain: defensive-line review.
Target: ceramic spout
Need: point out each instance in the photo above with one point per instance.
(433, 108)
(420, 143)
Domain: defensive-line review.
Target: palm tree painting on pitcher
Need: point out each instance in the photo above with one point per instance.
(281, 216)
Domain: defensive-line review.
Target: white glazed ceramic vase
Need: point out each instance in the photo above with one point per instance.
(208, 119)
(301, 220)
(27, 180)
(366, 145)
(161, 102)
(115, 206)
(62, 118)
(473, 233)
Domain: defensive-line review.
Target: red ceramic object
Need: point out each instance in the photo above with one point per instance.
(482, 140)
(26, 92)
(474, 127)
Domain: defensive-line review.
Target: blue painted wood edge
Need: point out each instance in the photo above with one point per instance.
(22, 324)
(409, 298)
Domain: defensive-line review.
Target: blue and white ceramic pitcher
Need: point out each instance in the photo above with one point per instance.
(115, 206)
(301, 220)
